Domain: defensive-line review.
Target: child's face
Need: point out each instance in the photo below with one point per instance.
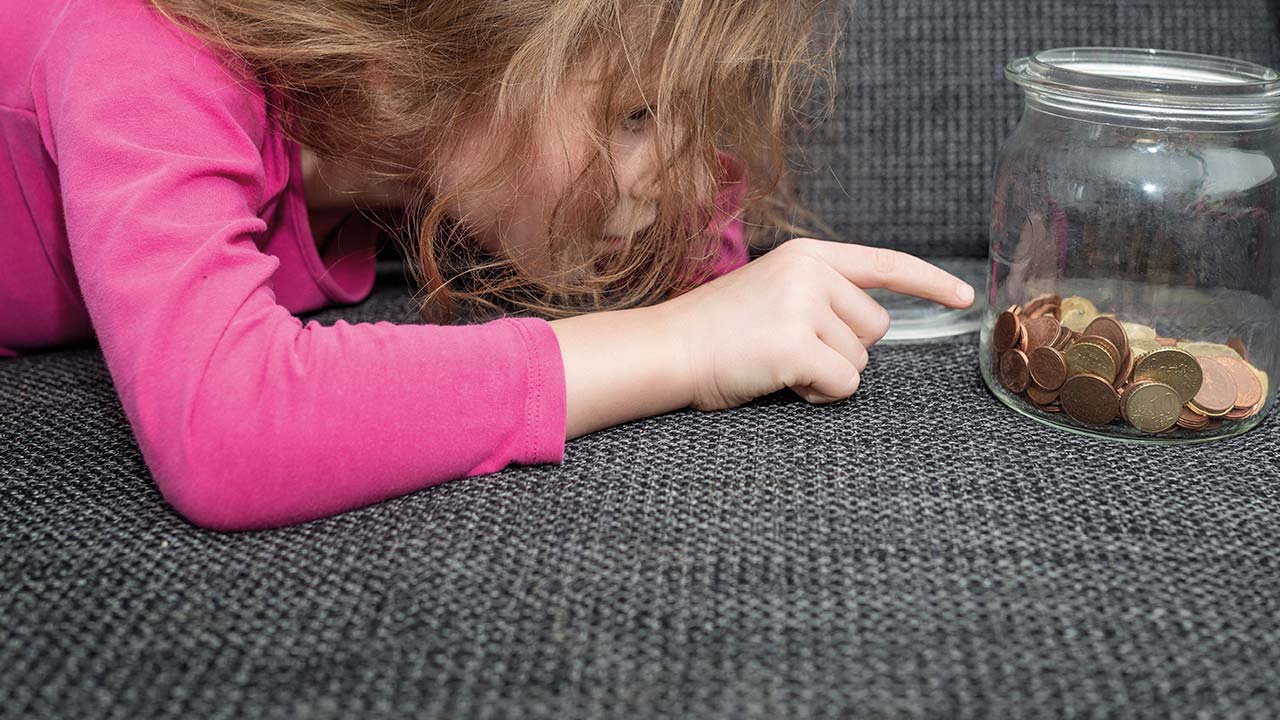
(517, 217)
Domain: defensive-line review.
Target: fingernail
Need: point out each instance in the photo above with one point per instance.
(964, 293)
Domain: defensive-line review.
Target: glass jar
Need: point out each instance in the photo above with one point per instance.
(1134, 245)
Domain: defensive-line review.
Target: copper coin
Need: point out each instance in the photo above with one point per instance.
(1040, 332)
(1105, 344)
(1064, 338)
(1112, 330)
(1217, 394)
(1040, 396)
(1014, 372)
(1090, 400)
(1040, 304)
(1048, 368)
(1045, 311)
(1126, 370)
(1237, 344)
(1190, 420)
(1006, 332)
(1248, 387)
(1167, 342)
(1238, 414)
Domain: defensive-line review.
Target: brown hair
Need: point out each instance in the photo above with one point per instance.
(378, 82)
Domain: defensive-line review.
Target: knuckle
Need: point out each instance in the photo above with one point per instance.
(880, 323)
(885, 261)
(861, 359)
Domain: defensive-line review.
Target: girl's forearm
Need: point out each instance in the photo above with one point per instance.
(620, 366)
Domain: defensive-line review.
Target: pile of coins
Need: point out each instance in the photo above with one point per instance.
(1065, 356)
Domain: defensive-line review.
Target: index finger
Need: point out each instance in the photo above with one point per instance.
(873, 267)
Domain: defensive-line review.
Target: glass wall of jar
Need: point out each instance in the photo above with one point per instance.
(1135, 253)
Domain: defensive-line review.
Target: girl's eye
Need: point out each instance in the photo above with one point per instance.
(636, 120)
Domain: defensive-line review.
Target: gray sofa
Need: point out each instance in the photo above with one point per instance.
(917, 551)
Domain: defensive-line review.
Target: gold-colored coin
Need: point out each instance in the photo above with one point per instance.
(1075, 302)
(1142, 346)
(1152, 407)
(1089, 358)
(1208, 349)
(1137, 331)
(1173, 367)
(1262, 377)
(1077, 313)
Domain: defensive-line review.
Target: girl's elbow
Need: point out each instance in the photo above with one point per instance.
(212, 494)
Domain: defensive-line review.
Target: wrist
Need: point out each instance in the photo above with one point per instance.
(621, 366)
(668, 327)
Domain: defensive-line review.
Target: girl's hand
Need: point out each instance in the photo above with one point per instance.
(797, 317)
(794, 318)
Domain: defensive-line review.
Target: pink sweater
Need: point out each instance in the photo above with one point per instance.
(148, 201)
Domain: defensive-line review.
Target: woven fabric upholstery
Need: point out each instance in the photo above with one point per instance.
(919, 551)
(907, 157)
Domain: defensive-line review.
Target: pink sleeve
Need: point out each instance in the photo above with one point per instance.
(246, 417)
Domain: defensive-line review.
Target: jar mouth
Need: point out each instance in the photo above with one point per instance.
(1145, 77)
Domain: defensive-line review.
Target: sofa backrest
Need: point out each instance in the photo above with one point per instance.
(906, 159)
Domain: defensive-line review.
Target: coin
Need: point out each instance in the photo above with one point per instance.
(1060, 352)
(1077, 319)
(1041, 305)
(1076, 303)
(1174, 368)
(1141, 347)
(1064, 338)
(1208, 349)
(1248, 387)
(1041, 331)
(1006, 332)
(1013, 370)
(1152, 407)
(1191, 420)
(1217, 394)
(1110, 328)
(1235, 343)
(1090, 399)
(1090, 358)
(1041, 396)
(1105, 344)
(1137, 331)
(1126, 370)
(1239, 414)
(1048, 368)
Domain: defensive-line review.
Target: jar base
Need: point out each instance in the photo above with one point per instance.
(912, 320)
(1116, 431)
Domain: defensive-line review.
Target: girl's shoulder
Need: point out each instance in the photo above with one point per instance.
(119, 47)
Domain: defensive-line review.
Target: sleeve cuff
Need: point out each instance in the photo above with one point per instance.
(545, 406)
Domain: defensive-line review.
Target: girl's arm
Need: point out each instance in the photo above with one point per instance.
(246, 417)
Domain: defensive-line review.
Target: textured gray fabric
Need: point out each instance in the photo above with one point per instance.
(919, 551)
(906, 160)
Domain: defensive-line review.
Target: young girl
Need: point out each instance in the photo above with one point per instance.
(178, 178)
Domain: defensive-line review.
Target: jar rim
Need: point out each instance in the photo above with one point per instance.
(1149, 77)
